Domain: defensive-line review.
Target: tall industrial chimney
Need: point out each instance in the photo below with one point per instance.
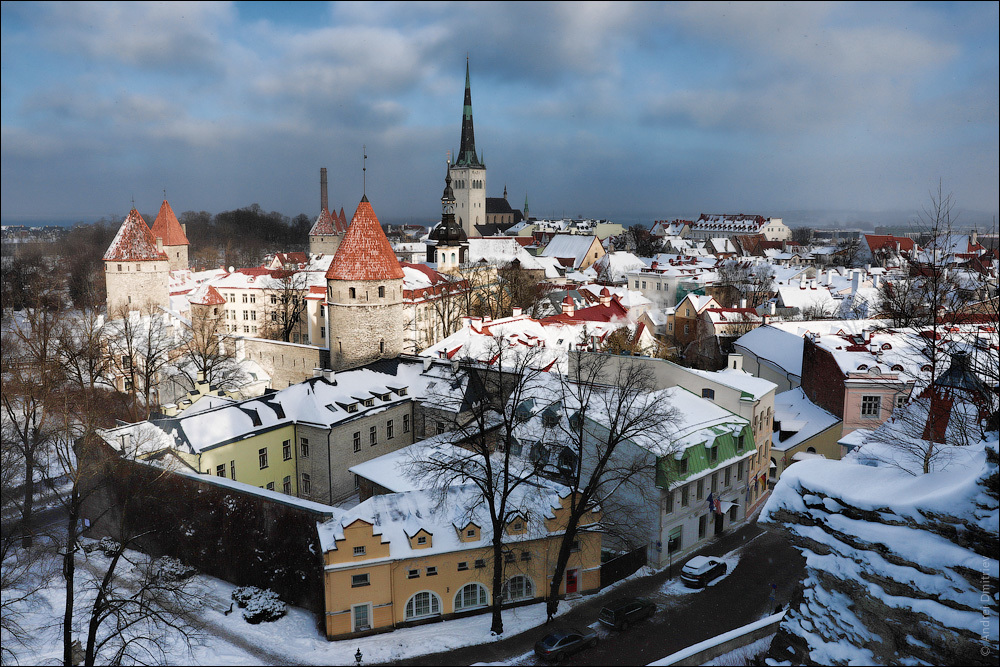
(323, 201)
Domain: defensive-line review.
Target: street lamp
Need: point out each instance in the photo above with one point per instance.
(357, 657)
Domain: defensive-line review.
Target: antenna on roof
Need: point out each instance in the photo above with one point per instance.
(164, 194)
(364, 169)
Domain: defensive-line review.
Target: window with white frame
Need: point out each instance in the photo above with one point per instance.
(471, 596)
(518, 588)
(422, 605)
(361, 615)
(871, 406)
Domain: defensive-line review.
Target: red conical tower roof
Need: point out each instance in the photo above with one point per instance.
(341, 222)
(324, 224)
(365, 253)
(134, 242)
(167, 228)
(206, 295)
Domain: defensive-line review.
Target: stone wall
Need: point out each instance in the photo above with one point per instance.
(286, 363)
(136, 285)
(364, 327)
(177, 256)
(244, 535)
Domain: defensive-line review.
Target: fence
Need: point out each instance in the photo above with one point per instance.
(618, 568)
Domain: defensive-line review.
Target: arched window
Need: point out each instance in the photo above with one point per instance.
(472, 596)
(422, 605)
(351, 292)
(811, 450)
(518, 588)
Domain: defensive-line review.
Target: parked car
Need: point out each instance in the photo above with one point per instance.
(559, 643)
(702, 570)
(625, 612)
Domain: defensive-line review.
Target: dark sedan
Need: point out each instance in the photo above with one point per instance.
(559, 643)
(622, 613)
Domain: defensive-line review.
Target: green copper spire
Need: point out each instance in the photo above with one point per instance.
(467, 149)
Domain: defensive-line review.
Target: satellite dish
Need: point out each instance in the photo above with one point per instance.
(232, 270)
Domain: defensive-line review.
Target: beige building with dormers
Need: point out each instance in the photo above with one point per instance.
(404, 559)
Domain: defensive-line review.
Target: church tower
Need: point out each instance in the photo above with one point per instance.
(447, 243)
(364, 295)
(468, 174)
(175, 242)
(136, 268)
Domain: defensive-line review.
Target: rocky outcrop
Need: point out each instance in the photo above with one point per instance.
(900, 568)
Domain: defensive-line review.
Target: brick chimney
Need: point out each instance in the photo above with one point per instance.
(568, 307)
(323, 201)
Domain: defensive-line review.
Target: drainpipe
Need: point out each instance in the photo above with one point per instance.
(329, 470)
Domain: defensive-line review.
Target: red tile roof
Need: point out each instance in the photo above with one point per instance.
(878, 242)
(134, 242)
(207, 295)
(341, 222)
(167, 228)
(324, 224)
(365, 253)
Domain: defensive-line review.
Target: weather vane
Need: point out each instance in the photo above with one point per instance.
(364, 169)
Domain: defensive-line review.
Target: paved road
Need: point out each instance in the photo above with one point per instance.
(684, 618)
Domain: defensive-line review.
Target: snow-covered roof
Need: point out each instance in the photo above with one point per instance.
(134, 242)
(780, 347)
(799, 419)
(573, 246)
(397, 517)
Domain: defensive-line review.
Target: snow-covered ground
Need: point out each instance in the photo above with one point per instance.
(229, 640)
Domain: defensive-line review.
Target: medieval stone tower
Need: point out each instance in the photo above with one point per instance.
(207, 308)
(136, 268)
(364, 295)
(327, 232)
(175, 242)
(468, 174)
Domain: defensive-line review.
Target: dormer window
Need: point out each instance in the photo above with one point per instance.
(422, 539)
(369, 402)
(353, 407)
(470, 532)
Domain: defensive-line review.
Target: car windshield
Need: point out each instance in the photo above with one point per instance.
(549, 640)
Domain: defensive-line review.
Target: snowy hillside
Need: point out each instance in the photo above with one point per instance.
(901, 568)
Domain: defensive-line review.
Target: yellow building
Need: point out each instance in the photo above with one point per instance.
(406, 558)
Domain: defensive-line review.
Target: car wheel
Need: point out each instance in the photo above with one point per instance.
(593, 642)
(559, 657)
(624, 626)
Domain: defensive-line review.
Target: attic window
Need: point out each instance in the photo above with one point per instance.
(369, 402)
(422, 539)
(862, 367)
(886, 346)
(470, 532)
(353, 407)
(897, 368)
(330, 407)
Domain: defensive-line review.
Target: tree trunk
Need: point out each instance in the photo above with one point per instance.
(69, 574)
(552, 603)
(29, 497)
(497, 624)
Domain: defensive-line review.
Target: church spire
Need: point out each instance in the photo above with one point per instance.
(467, 149)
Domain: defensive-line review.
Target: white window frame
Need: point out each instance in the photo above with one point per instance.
(433, 606)
(355, 627)
(475, 590)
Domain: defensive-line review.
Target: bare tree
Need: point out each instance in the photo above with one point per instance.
(207, 351)
(613, 414)
(31, 376)
(437, 312)
(483, 296)
(847, 252)
(139, 345)
(284, 299)
(486, 457)
(81, 348)
(739, 280)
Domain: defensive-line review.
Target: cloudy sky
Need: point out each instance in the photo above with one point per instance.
(628, 111)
